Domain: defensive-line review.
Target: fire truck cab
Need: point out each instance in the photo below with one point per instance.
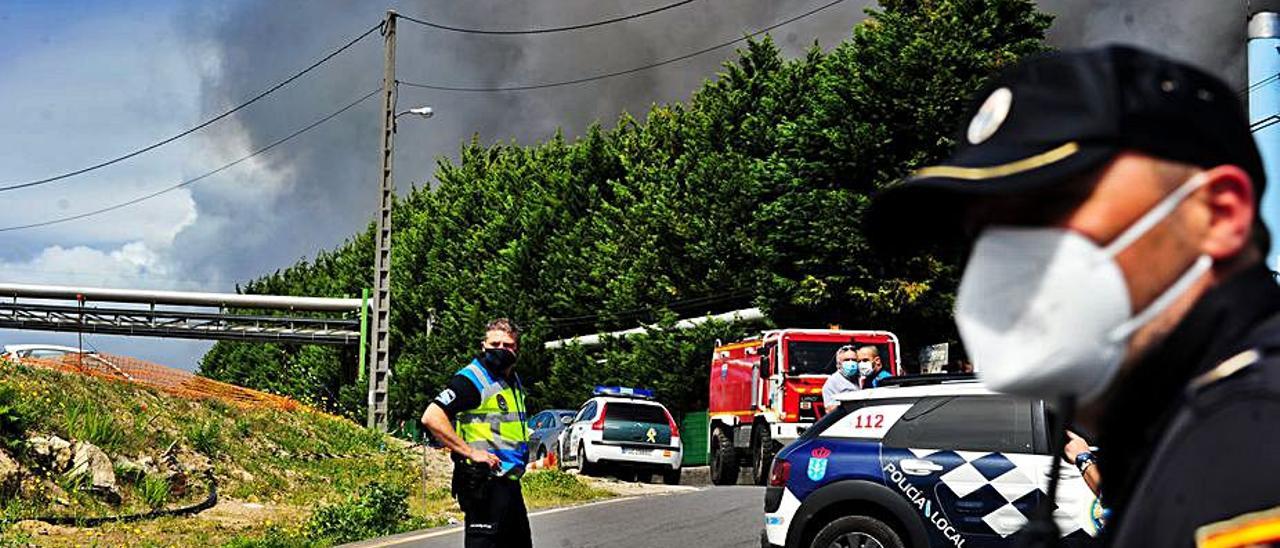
(766, 390)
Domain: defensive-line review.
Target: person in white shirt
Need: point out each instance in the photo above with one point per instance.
(845, 379)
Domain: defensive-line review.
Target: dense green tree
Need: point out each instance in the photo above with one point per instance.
(748, 194)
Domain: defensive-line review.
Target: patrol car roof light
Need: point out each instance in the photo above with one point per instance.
(622, 391)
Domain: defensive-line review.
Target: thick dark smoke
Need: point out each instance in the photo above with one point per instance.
(325, 188)
(1207, 33)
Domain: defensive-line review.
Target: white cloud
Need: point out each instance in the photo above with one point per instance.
(132, 265)
(253, 182)
(83, 93)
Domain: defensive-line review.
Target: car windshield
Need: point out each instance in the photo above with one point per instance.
(635, 412)
(819, 357)
(812, 357)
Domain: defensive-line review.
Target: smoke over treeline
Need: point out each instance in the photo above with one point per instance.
(320, 189)
(314, 192)
(1208, 33)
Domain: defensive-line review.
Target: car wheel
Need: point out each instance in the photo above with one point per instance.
(585, 466)
(762, 451)
(671, 477)
(857, 532)
(724, 460)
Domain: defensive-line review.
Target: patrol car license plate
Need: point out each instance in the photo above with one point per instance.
(636, 451)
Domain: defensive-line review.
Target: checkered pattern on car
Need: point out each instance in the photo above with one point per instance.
(988, 493)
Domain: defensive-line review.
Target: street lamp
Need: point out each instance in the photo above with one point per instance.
(424, 112)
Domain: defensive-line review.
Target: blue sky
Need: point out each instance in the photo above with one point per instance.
(79, 81)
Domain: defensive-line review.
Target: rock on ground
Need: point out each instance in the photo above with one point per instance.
(51, 452)
(10, 475)
(91, 461)
(130, 470)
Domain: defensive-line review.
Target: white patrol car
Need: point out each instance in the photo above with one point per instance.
(15, 352)
(625, 429)
(941, 463)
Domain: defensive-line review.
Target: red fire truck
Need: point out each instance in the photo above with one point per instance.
(766, 390)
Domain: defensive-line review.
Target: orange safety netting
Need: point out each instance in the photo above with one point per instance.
(174, 381)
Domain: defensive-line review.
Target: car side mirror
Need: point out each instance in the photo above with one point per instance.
(566, 420)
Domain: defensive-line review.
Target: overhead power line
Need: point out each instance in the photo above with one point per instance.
(1261, 84)
(198, 178)
(202, 125)
(619, 19)
(603, 76)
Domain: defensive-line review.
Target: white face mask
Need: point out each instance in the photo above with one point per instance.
(1045, 312)
(865, 367)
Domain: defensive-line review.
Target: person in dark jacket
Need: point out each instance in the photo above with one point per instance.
(870, 368)
(1109, 201)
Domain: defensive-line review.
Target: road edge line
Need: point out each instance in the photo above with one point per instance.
(459, 528)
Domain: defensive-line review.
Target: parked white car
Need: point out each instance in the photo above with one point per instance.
(15, 352)
(626, 430)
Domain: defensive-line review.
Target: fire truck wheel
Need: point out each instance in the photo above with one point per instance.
(724, 461)
(762, 451)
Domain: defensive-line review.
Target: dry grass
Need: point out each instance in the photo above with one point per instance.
(266, 485)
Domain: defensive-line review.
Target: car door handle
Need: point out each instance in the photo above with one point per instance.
(917, 467)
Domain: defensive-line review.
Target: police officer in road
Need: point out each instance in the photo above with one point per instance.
(1108, 200)
(489, 445)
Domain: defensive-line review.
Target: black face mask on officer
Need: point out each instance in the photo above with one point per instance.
(497, 359)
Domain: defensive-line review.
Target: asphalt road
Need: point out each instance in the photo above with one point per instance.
(713, 517)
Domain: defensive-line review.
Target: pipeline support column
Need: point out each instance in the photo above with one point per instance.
(1264, 107)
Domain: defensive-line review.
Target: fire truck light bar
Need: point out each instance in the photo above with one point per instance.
(622, 391)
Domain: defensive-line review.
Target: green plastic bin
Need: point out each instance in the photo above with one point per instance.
(693, 433)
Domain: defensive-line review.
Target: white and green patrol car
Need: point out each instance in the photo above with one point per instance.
(623, 429)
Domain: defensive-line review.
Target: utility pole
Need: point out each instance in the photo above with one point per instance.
(1264, 94)
(381, 370)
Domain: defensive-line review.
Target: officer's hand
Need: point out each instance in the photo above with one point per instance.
(480, 455)
(1075, 446)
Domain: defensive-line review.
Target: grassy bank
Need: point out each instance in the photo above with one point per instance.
(298, 478)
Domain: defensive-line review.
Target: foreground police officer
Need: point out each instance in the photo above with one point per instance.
(1109, 199)
(489, 447)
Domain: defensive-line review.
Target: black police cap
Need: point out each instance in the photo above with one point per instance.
(1052, 118)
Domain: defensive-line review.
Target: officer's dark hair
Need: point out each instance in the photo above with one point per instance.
(505, 325)
(874, 348)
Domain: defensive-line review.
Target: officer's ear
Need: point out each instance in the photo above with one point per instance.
(1229, 197)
